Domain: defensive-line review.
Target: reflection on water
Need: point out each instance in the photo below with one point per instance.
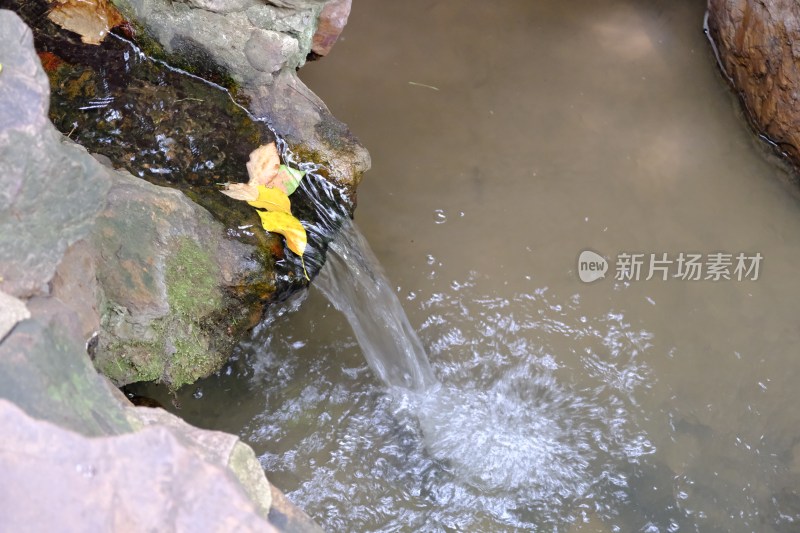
(640, 406)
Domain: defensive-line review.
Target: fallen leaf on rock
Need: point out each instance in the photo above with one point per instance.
(91, 19)
(272, 200)
(288, 179)
(263, 164)
(264, 168)
(241, 191)
(269, 188)
(288, 226)
(291, 228)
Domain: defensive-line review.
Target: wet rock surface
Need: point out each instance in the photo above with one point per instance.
(758, 43)
(161, 276)
(259, 46)
(162, 286)
(81, 243)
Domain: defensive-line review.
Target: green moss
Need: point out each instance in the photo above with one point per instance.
(134, 361)
(245, 466)
(193, 295)
(191, 279)
(192, 360)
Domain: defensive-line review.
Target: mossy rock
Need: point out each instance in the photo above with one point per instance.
(170, 277)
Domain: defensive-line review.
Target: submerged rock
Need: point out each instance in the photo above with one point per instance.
(758, 46)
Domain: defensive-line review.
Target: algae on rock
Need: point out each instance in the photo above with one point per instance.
(167, 273)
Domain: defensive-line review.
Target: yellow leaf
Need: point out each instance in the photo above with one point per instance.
(271, 200)
(91, 19)
(241, 191)
(288, 226)
(263, 164)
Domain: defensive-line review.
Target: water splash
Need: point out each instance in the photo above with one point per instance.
(502, 423)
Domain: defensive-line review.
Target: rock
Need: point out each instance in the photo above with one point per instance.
(214, 447)
(305, 122)
(76, 455)
(12, 311)
(259, 47)
(332, 21)
(38, 220)
(287, 517)
(54, 479)
(758, 45)
(164, 265)
(267, 50)
(44, 369)
(75, 284)
(154, 269)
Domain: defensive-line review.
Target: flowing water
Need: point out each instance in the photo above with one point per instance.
(506, 139)
(354, 282)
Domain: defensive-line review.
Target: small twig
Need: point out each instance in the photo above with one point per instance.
(423, 85)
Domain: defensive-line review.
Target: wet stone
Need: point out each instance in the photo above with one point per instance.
(172, 129)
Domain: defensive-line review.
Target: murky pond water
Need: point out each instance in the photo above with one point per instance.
(506, 139)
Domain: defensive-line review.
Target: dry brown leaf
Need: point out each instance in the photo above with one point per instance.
(91, 19)
(241, 191)
(263, 164)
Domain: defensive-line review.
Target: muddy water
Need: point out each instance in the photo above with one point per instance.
(506, 138)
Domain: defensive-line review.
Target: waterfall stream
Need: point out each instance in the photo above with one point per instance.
(353, 281)
(523, 432)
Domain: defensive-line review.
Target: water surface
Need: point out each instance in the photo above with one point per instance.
(506, 139)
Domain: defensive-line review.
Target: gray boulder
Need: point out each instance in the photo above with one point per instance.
(39, 216)
(149, 274)
(164, 266)
(58, 480)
